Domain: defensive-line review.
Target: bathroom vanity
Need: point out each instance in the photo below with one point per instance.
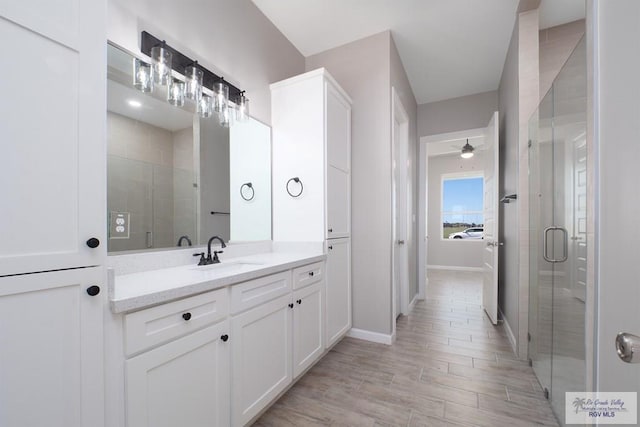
(214, 344)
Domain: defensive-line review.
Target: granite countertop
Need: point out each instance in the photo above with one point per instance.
(134, 291)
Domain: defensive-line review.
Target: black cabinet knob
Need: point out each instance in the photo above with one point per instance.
(330, 248)
(224, 337)
(311, 273)
(299, 301)
(291, 305)
(186, 316)
(93, 243)
(93, 290)
(331, 230)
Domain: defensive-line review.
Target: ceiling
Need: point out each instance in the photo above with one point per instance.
(449, 48)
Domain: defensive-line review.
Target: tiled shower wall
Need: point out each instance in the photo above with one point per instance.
(143, 181)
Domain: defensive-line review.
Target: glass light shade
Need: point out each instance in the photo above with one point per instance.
(193, 79)
(242, 109)
(175, 94)
(467, 151)
(161, 59)
(142, 76)
(205, 106)
(225, 116)
(221, 100)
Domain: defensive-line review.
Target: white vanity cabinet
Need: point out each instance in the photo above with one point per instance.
(338, 318)
(311, 119)
(275, 341)
(53, 162)
(52, 171)
(51, 349)
(182, 375)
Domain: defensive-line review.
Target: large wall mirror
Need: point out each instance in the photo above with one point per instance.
(174, 178)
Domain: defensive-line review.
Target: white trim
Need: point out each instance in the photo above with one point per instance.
(413, 302)
(512, 338)
(454, 268)
(454, 136)
(377, 337)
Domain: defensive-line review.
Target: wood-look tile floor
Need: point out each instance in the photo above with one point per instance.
(448, 367)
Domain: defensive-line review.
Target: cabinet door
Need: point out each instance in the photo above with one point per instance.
(182, 383)
(308, 327)
(338, 203)
(338, 289)
(261, 351)
(338, 122)
(53, 158)
(51, 357)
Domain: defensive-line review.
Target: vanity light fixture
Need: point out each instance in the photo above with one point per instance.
(242, 108)
(175, 94)
(193, 80)
(165, 60)
(162, 60)
(205, 106)
(467, 151)
(142, 76)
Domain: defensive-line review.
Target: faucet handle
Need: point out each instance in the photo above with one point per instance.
(202, 260)
(216, 260)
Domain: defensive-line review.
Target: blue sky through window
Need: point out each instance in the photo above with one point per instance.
(462, 200)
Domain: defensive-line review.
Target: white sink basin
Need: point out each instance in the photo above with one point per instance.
(225, 267)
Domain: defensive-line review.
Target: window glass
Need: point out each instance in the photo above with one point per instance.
(462, 207)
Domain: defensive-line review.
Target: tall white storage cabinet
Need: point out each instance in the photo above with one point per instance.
(52, 221)
(311, 119)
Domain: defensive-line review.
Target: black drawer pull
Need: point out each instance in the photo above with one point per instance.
(225, 337)
(311, 273)
(186, 316)
(299, 301)
(93, 290)
(291, 305)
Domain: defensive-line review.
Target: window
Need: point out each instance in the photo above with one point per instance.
(462, 207)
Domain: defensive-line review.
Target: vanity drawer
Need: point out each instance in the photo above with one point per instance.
(255, 292)
(308, 275)
(156, 325)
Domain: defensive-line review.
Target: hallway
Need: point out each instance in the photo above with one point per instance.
(448, 367)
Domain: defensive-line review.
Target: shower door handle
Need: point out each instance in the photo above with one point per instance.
(565, 244)
(627, 347)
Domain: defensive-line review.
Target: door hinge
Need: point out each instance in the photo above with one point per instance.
(529, 144)
(530, 362)
(528, 337)
(546, 393)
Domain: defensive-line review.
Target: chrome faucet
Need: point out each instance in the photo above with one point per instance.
(184, 238)
(214, 259)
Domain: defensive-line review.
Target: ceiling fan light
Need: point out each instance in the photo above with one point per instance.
(467, 151)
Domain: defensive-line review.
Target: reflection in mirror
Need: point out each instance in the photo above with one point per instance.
(173, 176)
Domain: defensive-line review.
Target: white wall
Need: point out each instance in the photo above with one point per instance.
(449, 252)
(556, 44)
(231, 38)
(452, 115)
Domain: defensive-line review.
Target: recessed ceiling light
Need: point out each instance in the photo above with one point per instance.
(134, 103)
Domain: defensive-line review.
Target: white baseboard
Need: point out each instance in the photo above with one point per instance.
(455, 268)
(512, 338)
(413, 302)
(371, 336)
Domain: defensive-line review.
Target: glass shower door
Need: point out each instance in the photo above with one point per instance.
(558, 256)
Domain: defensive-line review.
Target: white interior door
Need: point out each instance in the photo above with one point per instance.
(400, 177)
(491, 201)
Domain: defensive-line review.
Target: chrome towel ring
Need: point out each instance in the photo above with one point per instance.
(297, 181)
(243, 191)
